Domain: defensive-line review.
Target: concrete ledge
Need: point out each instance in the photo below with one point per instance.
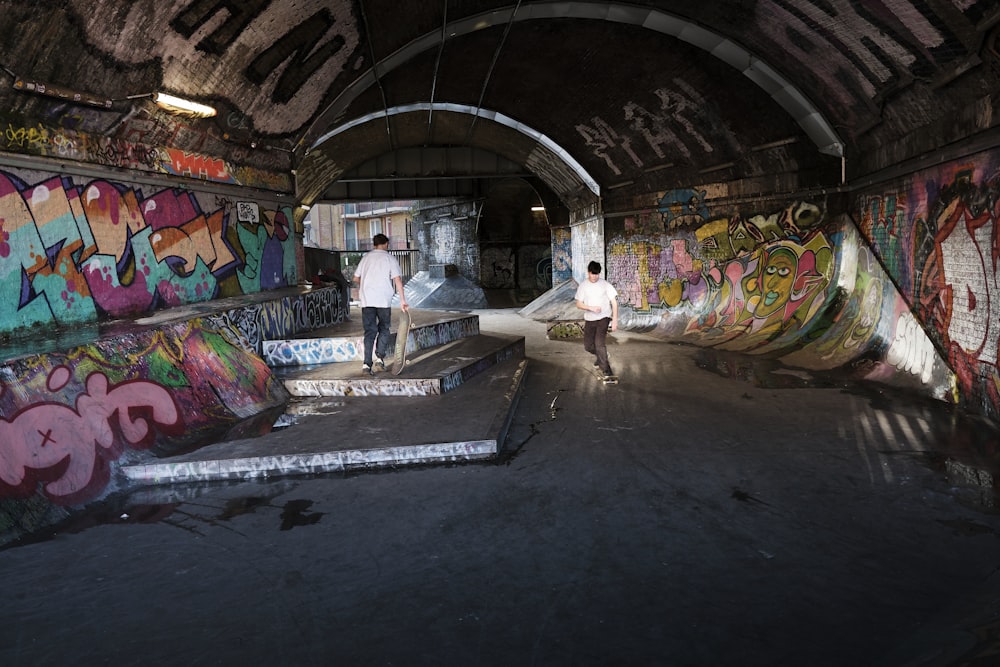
(344, 341)
(440, 370)
(320, 350)
(308, 464)
(467, 426)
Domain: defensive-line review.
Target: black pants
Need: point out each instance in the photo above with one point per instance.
(376, 324)
(595, 336)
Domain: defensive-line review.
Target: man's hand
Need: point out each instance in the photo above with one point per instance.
(405, 306)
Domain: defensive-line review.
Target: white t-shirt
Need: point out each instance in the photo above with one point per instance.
(596, 294)
(376, 271)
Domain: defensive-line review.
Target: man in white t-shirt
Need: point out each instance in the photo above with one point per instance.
(599, 299)
(379, 277)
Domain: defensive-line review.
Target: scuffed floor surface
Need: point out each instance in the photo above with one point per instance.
(677, 518)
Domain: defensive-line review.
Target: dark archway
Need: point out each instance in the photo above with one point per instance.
(514, 243)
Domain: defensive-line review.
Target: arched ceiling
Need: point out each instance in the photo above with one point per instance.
(595, 100)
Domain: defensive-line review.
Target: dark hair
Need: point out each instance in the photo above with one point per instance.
(594, 267)
(380, 239)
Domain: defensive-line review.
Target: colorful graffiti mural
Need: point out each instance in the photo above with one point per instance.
(66, 417)
(562, 255)
(744, 274)
(789, 284)
(73, 253)
(683, 207)
(938, 234)
(68, 142)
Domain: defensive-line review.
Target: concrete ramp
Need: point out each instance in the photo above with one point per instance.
(556, 305)
(442, 287)
(819, 302)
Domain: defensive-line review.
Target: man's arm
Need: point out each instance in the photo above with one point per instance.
(582, 306)
(398, 282)
(356, 278)
(614, 314)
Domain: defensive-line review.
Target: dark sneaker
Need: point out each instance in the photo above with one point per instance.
(380, 363)
(607, 373)
(597, 364)
(366, 369)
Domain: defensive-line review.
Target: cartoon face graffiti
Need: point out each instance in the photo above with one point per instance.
(777, 277)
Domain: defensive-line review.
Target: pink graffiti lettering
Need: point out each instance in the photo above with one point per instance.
(46, 435)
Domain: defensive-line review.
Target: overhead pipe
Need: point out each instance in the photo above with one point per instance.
(378, 81)
(437, 67)
(489, 72)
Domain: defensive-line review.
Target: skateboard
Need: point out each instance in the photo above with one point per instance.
(402, 332)
(610, 379)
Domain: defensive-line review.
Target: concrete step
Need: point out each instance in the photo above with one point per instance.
(428, 372)
(331, 434)
(344, 341)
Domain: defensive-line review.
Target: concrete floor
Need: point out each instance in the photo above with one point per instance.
(678, 518)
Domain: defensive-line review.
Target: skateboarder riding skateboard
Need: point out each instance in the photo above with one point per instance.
(599, 299)
(378, 276)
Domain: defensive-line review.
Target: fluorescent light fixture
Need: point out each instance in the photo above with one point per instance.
(42, 88)
(180, 105)
(305, 207)
(537, 208)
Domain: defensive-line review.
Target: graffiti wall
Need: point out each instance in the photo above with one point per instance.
(587, 244)
(498, 269)
(526, 266)
(448, 236)
(69, 418)
(74, 250)
(937, 234)
(67, 143)
(282, 317)
(534, 264)
(562, 255)
(782, 281)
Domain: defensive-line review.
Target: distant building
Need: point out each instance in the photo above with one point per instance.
(352, 226)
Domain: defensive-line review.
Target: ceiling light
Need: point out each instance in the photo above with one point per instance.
(180, 105)
(537, 208)
(60, 92)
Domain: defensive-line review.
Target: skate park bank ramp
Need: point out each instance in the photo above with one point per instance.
(811, 306)
(443, 287)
